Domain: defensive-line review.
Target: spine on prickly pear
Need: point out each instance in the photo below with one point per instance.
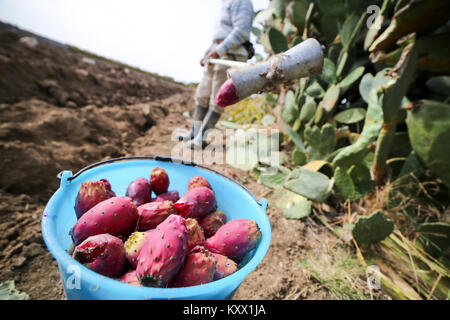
(198, 181)
(195, 233)
(151, 214)
(102, 253)
(115, 216)
(140, 191)
(211, 222)
(131, 278)
(196, 203)
(159, 180)
(225, 266)
(173, 196)
(134, 244)
(164, 253)
(91, 193)
(235, 239)
(198, 268)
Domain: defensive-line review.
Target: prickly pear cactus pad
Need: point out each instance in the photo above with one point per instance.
(310, 184)
(372, 229)
(429, 133)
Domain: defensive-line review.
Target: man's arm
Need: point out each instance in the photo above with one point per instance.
(242, 18)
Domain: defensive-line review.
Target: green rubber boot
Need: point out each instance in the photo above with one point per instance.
(199, 115)
(199, 142)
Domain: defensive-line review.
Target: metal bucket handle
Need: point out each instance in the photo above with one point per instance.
(262, 202)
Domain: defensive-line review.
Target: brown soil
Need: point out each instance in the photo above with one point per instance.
(60, 113)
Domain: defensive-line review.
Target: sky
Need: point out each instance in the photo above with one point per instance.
(168, 37)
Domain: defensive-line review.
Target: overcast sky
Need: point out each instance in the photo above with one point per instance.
(164, 36)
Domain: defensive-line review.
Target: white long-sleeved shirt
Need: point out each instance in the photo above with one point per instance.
(234, 25)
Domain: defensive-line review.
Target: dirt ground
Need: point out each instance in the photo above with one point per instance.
(62, 110)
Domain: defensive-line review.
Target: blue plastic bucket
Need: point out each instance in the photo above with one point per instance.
(81, 283)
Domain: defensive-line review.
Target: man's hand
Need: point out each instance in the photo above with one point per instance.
(212, 54)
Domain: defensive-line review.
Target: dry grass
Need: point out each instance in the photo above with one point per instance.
(407, 270)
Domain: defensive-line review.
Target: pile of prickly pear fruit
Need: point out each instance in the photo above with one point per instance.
(162, 242)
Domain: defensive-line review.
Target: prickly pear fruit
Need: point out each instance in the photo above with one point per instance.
(226, 95)
(235, 239)
(198, 181)
(91, 193)
(116, 216)
(212, 222)
(134, 244)
(198, 268)
(196, 203)
(164, 253)
(159, 180)
(131, 278)
(102, 253)
(153, 213)
(195, 233)
(225, 266)
(140, 191)
(173, 196)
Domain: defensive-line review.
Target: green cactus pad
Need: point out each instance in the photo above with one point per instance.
(275, 179)
(429, 133)
(347, 30)
(277, 40)
(369, 82)
(372, 229)
(351, 115)
(308, 111)
(300, 210)
(315, 90)
(295, 138)
(328, 71)
(330, 98)
(299, 157)
(356, 152)
(290, 112)
(343, 184)
(351, 78)
(310, 184)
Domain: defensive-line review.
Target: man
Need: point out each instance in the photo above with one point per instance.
(230, 42)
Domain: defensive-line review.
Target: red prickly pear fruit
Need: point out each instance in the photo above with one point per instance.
(102, 253)
(198, 181)
(115, 216)
(199, 267)
(196, 203)
(235, 239)
(140, 191)
(134, 244)
(91, 193)
(159, 180)
(131, 278)
(195, 233)
(108, 188)
(163, 255)
(226, 95)
(225, 266)
(151, 214)
(212, 222)
(173, 196)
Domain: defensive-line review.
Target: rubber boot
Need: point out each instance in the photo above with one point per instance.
(199, 142)
(199, 115)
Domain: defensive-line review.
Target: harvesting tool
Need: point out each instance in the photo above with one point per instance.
(303, 60)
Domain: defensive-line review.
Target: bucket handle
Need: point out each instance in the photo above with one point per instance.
(262, 203)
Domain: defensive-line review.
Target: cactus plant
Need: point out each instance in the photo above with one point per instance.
(372, 229)
(429, 132)
(310, 184)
